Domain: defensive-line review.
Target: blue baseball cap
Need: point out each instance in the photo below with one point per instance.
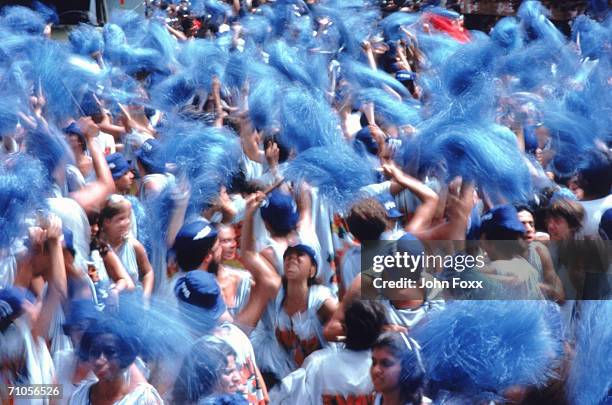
(75, 129)
(117, 165)
(300, 247)
(279, 210)
(193, 243)
(387, 201)
(150, 156)
(501, 218)
(11, 301)
(200, 297)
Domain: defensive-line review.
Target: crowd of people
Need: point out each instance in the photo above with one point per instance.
(185, 198)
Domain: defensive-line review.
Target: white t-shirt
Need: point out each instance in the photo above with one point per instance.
(594, 209)
(328, 374)
(105, 142)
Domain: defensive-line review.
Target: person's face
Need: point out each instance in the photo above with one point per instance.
(542, 135)
(119, 225)
(574, 188)
(230, 380)
(227, 240)
(75, 144)
(558, 228)
(94, 228)
(104, 357)
(124, 183)
(385, 370)
(527, 219)
(298, 266)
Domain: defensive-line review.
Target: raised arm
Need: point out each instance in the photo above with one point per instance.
(267, 282)
(92, 196)
(425, 212)
(57, 289)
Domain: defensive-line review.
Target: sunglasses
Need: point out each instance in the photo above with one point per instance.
(110, 352)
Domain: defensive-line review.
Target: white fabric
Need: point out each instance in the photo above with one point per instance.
(65, 362)
(329, 371)
(302, 333)
(38, 361)
(593, 211)
(350, 266)
(127, 256)
(144, 394)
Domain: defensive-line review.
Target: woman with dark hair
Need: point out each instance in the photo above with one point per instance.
(338, 376)
(302, 306)
(111, 349)
(564, 219)
(397, 371)
(209, 368)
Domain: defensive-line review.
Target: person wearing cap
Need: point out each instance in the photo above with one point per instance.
(302, 307)
(71, 371)
(123, 177)
(83, 173)
(201, 305)
(280, 214)
(90, 195)
(152, 169)
(502, 237)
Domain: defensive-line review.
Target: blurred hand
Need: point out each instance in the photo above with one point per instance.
(89, 127)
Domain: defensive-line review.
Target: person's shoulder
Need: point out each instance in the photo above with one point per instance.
(144, 394)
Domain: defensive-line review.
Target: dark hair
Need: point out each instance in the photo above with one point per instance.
(412, 375)
(367, 219)
(571, 211)
(364, 322)
(112, 207)
(201, 370)
(81, 140)
(283, 151)
(525, 207)
(595, 177)
(128, 345)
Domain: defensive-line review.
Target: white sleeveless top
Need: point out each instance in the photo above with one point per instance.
(144, 394)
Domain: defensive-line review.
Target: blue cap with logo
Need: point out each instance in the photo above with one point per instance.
(193, 243)
(117, 165)
(200, 297)
(302, 248)
(387, 201)
(150, 156)
(279, 210)
(501, 218)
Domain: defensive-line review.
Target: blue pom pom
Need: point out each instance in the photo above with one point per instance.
(590, 381)
(476, 346)
(306, 120)
(18, 198)
(22, 20)
(86, 40)
(337, 171)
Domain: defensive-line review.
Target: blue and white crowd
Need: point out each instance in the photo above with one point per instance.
(184, 197)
